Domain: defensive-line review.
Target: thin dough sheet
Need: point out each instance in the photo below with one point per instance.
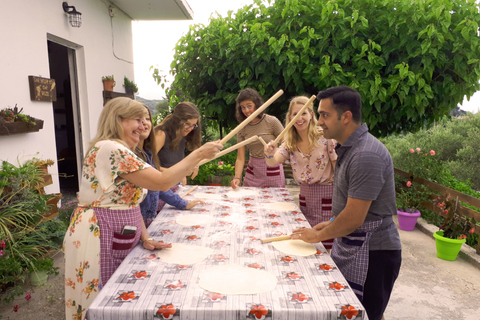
(236, 279)
(208, 196)
(240, 193)
(295, 247)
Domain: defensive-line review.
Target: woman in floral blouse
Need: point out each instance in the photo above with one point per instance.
(313, 161)
(112, 187)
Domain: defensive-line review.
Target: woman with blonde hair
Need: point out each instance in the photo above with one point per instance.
(313, 161)
(107, 223)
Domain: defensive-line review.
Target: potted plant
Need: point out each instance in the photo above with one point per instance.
(454, 231)
(39, 270)
(409, 196)
(221, 174)
(14, 121)
(108, 83)
(215, 174)
(130, 86)
(21, 237)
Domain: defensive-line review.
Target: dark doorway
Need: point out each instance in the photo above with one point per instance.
(63, 70)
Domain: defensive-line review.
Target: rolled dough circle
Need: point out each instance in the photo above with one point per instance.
(279, 206)
(295, 247)
(184, 254)
(235, 279)
(189, 220)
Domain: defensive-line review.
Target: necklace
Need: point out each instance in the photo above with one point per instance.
(305, 155)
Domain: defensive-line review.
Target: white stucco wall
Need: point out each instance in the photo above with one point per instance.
(26, 25)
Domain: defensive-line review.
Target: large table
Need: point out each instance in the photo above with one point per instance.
(144, 287)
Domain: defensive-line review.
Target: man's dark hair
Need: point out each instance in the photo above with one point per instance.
(344, 99)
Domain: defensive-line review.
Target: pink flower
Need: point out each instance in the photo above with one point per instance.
(432, 152)
(28, 296)
(418, 149)
(462, 237)
(220, 163)
(471, 230)
(15, 308)
(412, 151)
(409, 183)
(3, 245)
(1, 253)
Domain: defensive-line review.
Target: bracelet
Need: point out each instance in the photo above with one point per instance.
(236, 178)
(149, 239)
(268, 157)
(332, 219)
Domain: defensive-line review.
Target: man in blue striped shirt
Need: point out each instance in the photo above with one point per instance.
(367, 247)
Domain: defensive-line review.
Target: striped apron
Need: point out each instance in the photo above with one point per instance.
(350, 254)
(259, 174)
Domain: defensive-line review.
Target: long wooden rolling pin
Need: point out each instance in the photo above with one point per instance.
(193, 188)
(275, 239)
(232, 148)
(292, 122)
(251, 117)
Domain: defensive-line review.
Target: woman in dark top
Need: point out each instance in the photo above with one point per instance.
(146, 150)
(180, 130)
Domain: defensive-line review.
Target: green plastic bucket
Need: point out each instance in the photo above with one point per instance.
(447, 249)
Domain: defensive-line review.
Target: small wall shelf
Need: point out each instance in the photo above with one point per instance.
(108, 95)
(8, 128)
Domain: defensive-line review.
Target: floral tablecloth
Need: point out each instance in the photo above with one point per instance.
(144, 287)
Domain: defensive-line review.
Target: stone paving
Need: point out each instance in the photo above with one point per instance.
(429, 287)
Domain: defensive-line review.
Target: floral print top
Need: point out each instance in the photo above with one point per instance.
(315, 167)
(101, 185)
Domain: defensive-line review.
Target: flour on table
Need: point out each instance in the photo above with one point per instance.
(279, 206)
(209, 196)
(236, 279)
(240, 193)
(295, 247)
(189, 220)
(184, 254)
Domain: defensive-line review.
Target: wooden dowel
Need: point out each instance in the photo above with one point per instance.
(251, 117)
(232, 148)
(191, 189)
(292, 122)
(262, 141)
(275, 239)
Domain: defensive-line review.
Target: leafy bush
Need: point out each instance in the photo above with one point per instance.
(412, 61)
(456, 143)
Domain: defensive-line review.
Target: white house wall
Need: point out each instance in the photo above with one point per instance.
(26, 25)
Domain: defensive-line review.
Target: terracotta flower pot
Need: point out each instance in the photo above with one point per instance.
(407, 220)
(108, 85)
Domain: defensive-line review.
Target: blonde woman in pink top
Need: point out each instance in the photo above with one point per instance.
(313, 161)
